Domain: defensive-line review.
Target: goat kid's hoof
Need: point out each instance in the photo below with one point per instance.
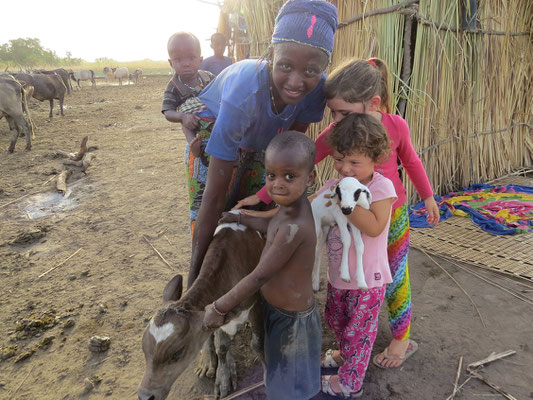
(347, 280)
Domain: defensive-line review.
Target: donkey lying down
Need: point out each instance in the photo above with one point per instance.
(174, 336)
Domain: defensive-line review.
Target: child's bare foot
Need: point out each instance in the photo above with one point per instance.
(396, 353)
(332, 359)
(195, 147)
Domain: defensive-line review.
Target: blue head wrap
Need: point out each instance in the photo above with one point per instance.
(309, 22)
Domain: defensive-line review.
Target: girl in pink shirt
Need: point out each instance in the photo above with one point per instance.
(359, 142)
(362, 86)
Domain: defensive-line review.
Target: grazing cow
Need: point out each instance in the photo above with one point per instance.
(45, 87)
(117, 73)
(63, 73)
(84, 75)
(174, 336)
(137, 74)
(11, 106)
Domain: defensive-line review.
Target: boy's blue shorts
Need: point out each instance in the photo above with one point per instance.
(293, 342)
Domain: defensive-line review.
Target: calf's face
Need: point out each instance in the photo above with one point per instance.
(171, 341)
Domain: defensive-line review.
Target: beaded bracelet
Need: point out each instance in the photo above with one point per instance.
(218, 311)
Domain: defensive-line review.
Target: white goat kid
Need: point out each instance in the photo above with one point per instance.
(330, 208)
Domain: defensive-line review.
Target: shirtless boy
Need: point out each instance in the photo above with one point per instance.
(293, 332)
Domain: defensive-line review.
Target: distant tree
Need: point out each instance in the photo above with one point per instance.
(27, 52)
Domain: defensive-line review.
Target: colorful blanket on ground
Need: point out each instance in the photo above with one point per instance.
(500, 210)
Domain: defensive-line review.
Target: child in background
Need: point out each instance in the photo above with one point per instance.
(185, 57)
(216, 63)
(359, 143)
(362, 86)
(293, 333)
(252, 101)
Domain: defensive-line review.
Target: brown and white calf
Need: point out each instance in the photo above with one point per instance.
(174, 336)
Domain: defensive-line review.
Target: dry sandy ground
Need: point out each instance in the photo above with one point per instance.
(113, 285)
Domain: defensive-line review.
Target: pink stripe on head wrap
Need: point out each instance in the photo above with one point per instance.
(310, 29)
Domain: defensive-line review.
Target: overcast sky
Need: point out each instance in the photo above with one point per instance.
(114, 29)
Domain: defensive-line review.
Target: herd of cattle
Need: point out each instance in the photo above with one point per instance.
(16, 88)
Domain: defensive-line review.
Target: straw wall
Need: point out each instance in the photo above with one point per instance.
(465, 94)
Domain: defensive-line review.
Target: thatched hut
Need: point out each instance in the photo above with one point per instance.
(461, 75)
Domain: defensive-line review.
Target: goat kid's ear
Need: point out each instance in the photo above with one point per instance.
(173, 289)
(356, 194)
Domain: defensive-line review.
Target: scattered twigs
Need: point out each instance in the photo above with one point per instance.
(49, 180)
(22, 382)
(84, 163)
(75, 163)
(473, 370)
(79, 155)
(492, 357)
(492, 385)
(457, 376)
(513, 293)
(61, 184)
(244, 391)
(14, 201)
(159, 254)
(60, 264)
(459, 387)
(457, 283)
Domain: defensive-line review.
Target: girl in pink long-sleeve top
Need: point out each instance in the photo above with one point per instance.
(361, 86)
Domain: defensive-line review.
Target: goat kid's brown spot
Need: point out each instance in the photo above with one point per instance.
(329, 203)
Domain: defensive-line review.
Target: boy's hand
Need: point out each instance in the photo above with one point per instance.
(195, 146)
(247, 201)
(212, 320)
(432, 208)
(228, 217)
(190, 121)
(261, 214)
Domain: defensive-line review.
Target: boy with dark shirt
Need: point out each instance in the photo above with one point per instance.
(178, 102)
(293, 333)
(216, 63)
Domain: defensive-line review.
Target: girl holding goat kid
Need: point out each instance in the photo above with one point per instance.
(359, 142)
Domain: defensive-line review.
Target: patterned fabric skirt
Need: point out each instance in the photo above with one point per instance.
(399, 291)
(247, 178)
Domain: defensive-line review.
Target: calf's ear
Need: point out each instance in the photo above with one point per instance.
(173, 289)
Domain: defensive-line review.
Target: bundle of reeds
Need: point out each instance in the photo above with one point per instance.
(259, 17)
(468, 105)
(465, 93)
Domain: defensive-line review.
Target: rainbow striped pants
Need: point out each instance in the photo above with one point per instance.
(398, 292)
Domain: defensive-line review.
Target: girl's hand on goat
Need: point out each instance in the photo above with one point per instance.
(432, 208)
(247, 201)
